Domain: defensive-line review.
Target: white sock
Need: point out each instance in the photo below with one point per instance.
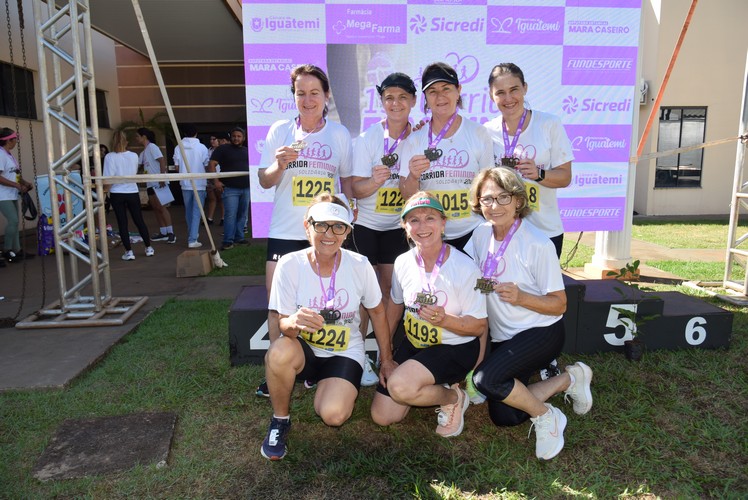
(163, 230)
(169, 229)
(287, 417)
(573, 381)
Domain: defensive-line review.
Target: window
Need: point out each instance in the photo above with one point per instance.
(680, 127)
(23, 103)
(102, 113)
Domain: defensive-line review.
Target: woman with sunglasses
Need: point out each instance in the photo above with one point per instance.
(522, 281)
(317, 293)
(442, 318)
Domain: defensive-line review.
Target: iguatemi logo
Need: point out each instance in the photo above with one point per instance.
(570, 105)
(597, 143)
(419, 24)
(522, 26)
(277, 23)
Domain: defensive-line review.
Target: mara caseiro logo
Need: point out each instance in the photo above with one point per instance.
(419, 24)
(588, 65)
(366, 23)
(525, 25)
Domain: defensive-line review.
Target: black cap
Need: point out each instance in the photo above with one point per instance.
(438, 72)
(400, 80)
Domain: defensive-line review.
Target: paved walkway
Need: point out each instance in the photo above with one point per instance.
(52, 358)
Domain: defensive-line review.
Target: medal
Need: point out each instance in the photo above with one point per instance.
(432, 154)
(425, 298)
(510, 162)
(298, 145)
(485, 285)
(389, 160)
(330, 315)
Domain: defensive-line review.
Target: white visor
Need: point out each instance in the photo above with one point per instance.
(326, 211)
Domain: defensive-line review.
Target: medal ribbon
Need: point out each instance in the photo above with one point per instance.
(300, 132)
(387, 149)
(442, 132)
(329, 292)
(434, 271)
(492, 259)
(509, 148)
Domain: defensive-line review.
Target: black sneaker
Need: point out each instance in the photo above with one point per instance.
(262, 390)
(550, 371)
(210, 222)
(159, 237)
(227, 246)
(171, 239)
(274, 445)
(11, 256)
(242, 242)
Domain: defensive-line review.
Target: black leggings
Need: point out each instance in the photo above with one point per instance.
(517, 358)
(129, 202)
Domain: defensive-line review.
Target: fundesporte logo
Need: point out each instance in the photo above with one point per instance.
(417, 24)
(570, 105)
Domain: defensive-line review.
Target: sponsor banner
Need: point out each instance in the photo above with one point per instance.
(261, 211)
(466, 25)
(271, 64)
(366, 23)
(599, 179)
(255, 2)
(621, 4)
(256, 143)
(274, 24)
(518, 25)
(585, 65)
(600, 27)
(259, 193)
(592, 214)
(598, 143)
(447, 2)
(592, 105)
(267, 104)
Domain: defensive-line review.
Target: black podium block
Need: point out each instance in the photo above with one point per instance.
(248, 329)
(574, 294)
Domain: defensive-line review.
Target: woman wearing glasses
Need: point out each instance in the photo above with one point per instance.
(522, 281)
(316, 293)
(443, 320)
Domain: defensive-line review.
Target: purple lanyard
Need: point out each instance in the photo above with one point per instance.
(434, 271)
(509, 148)
(492, 259)
(387, 149)
(329, 292)
(300, 131)
(442, 132)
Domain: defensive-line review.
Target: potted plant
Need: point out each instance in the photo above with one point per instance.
(632, 317)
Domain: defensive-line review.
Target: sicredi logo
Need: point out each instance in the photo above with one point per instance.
(275, 23)
(419, 24)
(570, 105)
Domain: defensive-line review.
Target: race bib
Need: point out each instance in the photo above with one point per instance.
(306, 188)
(421, 333)
(533, 196)
(332, 338)
(455, 203)
(389, 201)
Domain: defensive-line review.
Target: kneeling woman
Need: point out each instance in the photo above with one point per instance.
(526, 300)
(317, 293)
(443, 321)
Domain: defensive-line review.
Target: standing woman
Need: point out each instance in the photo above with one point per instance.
(124, 196)
(154, 163)
(317, 293)
(444, 156)
(533, 142)
(522, 281)
(302, 158)
(443, 320)
(11, 184)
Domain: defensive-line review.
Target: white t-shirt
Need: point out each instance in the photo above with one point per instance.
(464, 154)
(9, 170)
(450, 288)
(116, 164)
(296, 285)
(197, 156)
(545, 141)
(149, 159)
(529, 261)
(319, 168)
(380, 211)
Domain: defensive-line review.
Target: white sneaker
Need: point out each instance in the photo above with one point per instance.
(128, 255)
(195, 244)
(579, 391)
(549, 433)
(149, 252)
(369, 377)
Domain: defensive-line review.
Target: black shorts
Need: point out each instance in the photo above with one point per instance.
(380, 247)
(278, 248)
(448, 364)
(318, 368)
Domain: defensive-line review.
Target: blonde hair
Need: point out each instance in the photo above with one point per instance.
(119, 142)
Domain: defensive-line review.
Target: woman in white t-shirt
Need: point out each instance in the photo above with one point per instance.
(154, 163)
(533, 142)
(442, 319)
(522, 282)
(11, 185)
(124, 195)
(317, 293)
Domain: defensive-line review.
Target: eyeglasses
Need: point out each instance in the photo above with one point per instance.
(322, 227)
(502, 199)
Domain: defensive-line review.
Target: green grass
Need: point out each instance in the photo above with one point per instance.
(243, 260)
(685, 234)
(670, 426)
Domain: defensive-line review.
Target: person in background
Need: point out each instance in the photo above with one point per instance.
(443, 321)
(234, 191)
(522, 282)
(124, 195)
(212, 200)
(11, 185)
(197, 155)
(154, 163)
(317, 293)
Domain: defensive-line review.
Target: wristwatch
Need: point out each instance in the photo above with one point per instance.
(541, 175)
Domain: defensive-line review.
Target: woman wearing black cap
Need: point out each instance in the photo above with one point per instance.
(444, 156)
(376, 166)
